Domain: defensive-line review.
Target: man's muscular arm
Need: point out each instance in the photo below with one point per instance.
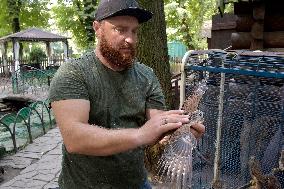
(81, 138)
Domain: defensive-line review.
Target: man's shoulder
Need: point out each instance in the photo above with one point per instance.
(143, 67)
(88, 57)
(80, 64)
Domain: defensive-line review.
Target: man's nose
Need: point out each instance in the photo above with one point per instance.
(131, 38)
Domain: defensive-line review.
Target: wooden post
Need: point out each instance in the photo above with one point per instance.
(16, 51)
(216, 183)
(258, 26)
(65, 46)
(4, 54)
(48, 50)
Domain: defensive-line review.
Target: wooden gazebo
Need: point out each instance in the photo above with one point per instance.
(29, 35)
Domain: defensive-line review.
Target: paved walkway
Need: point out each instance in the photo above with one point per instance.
(39, 162)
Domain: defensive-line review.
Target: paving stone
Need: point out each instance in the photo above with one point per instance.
(41, 140)
(11, 187)
(31, 155)
(35, 184)
(28, 175)
(41, 161)
(50, 158)
(44, 177)
(7, 187)
(56, 151)
(9, 183)
(16, 162)
(19, 184)
(33, 148)
(30, 168)
(51, 185)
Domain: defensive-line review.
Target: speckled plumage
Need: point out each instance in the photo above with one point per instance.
(174, 167)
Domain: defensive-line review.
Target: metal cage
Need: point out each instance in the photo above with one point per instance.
(243, 115)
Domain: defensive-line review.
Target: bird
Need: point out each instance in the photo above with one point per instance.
(259, 180)
(174, 167)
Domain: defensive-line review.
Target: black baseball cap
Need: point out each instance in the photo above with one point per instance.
(110, 8)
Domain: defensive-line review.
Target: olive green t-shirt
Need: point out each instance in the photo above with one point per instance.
(117, 100)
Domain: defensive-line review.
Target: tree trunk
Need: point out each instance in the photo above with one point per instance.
(153, 51)
(14, 8)
(152, 47)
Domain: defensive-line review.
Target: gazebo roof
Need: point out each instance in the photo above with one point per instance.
(34, 34)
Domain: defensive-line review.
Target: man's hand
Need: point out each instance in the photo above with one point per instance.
(161, 123)
(197, 130)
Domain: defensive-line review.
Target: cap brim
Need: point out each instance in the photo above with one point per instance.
(142, 15)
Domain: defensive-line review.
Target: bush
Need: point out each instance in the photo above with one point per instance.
(37, 55)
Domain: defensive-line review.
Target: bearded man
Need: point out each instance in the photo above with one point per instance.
(108, 106)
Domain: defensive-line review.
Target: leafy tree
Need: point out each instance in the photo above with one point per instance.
(185, 18)
(14, 13)
(17, 15)
(77, 16)
(37, 55)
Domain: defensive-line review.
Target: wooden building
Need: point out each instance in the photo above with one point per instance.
(254, 25)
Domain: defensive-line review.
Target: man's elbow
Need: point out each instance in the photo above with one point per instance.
(71, 142)
(71, 147)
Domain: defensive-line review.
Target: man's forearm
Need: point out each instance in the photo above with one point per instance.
(94, 140)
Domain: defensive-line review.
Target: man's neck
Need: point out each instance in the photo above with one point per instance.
(105, 62)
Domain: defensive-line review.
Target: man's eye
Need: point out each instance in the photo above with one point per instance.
(119, 30)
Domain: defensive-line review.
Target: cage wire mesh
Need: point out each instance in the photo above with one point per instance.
(243, 115)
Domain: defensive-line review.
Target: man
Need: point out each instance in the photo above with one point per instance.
(108, 106)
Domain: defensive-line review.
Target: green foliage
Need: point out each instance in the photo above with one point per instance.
(57, 48)
(77, 16)
(185, 19)
(4, 29)
(29, 13)
(37, 55)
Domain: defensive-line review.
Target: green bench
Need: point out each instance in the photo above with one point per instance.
(10, 120)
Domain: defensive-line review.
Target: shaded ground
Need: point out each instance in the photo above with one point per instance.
(36, 93)
(36, 166)
(6, 92)
(9, 173)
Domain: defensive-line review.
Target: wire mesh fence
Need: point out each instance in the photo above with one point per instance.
(243, 115)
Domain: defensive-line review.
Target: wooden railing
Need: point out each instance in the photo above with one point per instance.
(54, 60)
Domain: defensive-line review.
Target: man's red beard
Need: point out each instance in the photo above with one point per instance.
(115, 57)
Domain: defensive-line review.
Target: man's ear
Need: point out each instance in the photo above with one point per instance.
(96, 27)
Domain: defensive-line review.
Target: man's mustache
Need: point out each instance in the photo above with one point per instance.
(127, 46)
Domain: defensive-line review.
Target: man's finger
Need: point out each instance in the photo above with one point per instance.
(173, 112)
(197, 130)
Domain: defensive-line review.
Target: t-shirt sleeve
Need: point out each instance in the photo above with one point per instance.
(68, 83)
(155, 97)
